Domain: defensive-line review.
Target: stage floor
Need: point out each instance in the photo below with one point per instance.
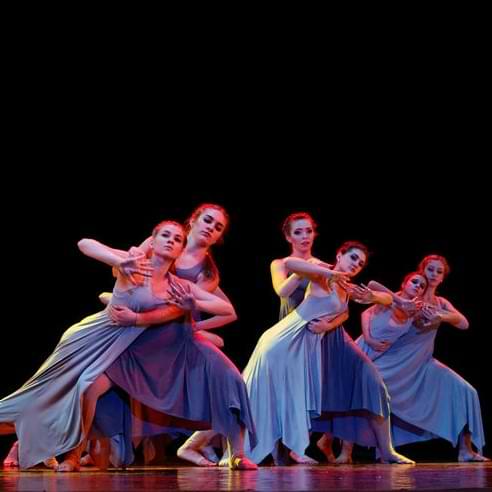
(428, 476)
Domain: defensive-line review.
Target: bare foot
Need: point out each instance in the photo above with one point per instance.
(71, 463)
(51, 463)
(241, 463)
(87, 460)
(343, 459)
(302, 459)
(12, 459)
(209, 453)
(396, 458)
(68, 466)
(193, 456)
(471, 457)
(324, 445)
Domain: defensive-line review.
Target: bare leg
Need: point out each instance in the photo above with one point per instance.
(466, 453)
(381, 428)
(237, 460)
(302, 459)
(325, 445)
(191, 450)
(345, 456)
(89, 402)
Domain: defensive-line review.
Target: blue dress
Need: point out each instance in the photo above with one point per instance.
(296, 381)
(46, 411)
(428, 399)
(289, 303)
(182, 380)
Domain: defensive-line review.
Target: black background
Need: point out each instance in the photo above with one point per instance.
(52, 285)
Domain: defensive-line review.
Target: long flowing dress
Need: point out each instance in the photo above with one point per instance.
(428, 399)
(184, 380)
(298, 380)
(46, 411)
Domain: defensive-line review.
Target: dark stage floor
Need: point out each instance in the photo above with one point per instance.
(428, 476)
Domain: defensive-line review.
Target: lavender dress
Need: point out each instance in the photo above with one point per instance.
(428, 399)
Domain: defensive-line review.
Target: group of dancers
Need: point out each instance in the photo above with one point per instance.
(147, 364)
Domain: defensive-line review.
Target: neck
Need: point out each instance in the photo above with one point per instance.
(160, 265)
(403, 294)
(430, 293)
(194, 249)
(304, 255)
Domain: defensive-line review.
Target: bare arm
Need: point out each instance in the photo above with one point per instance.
(376, 286)
(284, 285)
(218, 320)
(145, 246)
(101, 252)
(382, 298)
(324, 325)
(124, 316)
(115, 258)
(410, 306)
(314, 271)
(364, 295)
(449, 314)
(377, 345)
(201, 300)
(207, 283)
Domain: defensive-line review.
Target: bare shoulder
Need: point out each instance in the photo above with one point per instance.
(444, 303)
(278, 264)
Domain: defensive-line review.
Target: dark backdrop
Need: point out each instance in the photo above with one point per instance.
(51, 285)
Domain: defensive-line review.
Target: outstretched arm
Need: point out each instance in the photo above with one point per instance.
(446, 313)
(101, 252)
(409, 306)
(364, 295)
(316, 272)
(283, 284)
(131, 266)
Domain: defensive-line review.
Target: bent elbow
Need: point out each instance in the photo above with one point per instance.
(83, 244)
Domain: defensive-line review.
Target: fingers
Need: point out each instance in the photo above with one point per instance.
(177, 286)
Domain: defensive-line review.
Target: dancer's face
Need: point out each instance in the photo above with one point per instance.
(169, 241)
(208, 228)
(434, 272)
(301, 235)
(352, 261)
(415, 286)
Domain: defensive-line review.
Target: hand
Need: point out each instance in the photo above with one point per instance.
(334, 275)
(181, 296)
(324, 324)
(378, 345)
(408, 306)
(122, 316)
(211, 337)
(316, 326)
(430, 313)
(361, 294)
(135, 266)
